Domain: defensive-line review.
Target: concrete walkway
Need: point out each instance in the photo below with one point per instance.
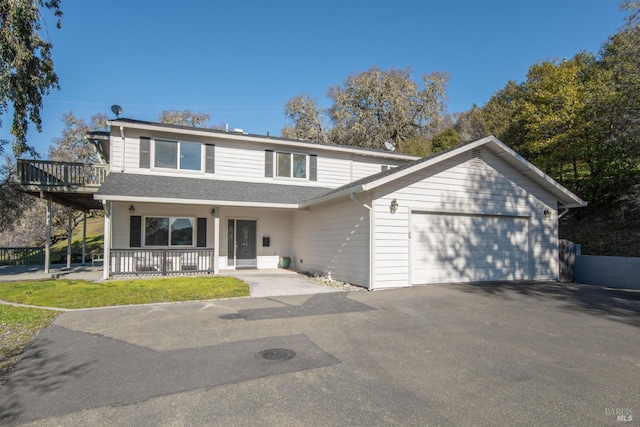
(11, 273)
(263, 283)
(278, 282)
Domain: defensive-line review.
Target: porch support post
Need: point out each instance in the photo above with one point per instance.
(69, 232)
(47, 246)
(84, 236)
(216, 241)
(106, 263)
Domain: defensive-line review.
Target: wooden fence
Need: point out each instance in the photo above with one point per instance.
(22, 256)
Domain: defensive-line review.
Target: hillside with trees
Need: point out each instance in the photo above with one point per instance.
(577, 119)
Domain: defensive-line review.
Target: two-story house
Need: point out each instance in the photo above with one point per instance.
(183, 199)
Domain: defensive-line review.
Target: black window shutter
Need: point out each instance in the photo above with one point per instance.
(145, 152)
(135, 231)
(313, 167)
(202, 233)
(268, 163)
(210, 158)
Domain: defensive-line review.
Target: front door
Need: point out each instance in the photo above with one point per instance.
(245, 244)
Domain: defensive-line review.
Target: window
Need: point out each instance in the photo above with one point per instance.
(178, 155)
(166, 154)
(291, 165)
(167, 231)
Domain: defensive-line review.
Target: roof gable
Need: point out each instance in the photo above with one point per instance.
(563, 195)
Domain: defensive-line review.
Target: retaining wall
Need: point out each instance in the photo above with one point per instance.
(615, 272)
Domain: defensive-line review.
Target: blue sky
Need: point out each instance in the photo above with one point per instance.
(241, 60)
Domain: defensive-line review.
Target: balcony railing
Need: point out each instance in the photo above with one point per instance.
(161, 261)
(61, 174)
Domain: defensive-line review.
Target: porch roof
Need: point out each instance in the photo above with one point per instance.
(168, 189)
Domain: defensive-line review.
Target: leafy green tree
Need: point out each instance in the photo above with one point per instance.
(72, 145)
(417, 146)
(26, 67)
(306, 116)
(621, 58)
(376, 108)
(446, 139)
(184, 118)
(13, 202)
(500, 115)
(470, 125)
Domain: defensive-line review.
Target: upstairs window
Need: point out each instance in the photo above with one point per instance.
(178, 155)
(290, 165)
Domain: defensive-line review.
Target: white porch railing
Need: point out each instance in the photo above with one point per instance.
(161, 261)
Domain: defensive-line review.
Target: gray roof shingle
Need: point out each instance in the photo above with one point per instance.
(167, 187)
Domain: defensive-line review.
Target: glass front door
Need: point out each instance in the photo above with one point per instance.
(242, 249)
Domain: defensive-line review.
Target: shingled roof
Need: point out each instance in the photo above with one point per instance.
(158, 188)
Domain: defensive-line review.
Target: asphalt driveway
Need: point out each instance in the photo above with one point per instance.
(492, 354)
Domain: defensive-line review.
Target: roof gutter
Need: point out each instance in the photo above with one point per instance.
(360, 202)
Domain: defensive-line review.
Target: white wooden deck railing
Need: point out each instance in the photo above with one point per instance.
(61, 174)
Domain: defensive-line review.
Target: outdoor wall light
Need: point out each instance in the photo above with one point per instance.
(132, 209)
(213, 211)
(546, 213)
(393, 207)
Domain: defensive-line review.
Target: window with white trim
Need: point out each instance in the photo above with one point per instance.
(291, 165)
(168, 231)
(177, 155)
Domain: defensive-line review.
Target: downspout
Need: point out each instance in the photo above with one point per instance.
(122, 136)
(360, 202)
(563, 213)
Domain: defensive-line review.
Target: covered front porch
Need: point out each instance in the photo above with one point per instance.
(145, 238)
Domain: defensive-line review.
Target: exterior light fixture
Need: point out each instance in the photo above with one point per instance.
(132, 209)
(393, 207)
(546, 214)
(213, 211)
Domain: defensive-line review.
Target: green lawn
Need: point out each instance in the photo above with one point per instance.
(64, 293)
(19, 325)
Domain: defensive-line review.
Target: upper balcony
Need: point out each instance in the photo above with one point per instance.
(66, 183)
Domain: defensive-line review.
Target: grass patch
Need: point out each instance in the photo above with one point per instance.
(64, 293)
(18, 326)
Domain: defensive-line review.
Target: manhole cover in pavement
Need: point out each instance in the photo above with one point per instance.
(276, 354)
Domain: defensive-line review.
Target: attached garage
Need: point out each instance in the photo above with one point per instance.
(448, 247)
(477, 212)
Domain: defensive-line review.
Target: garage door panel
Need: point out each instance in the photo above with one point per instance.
(448, 248)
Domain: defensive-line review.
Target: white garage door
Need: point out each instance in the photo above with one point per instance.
(463, 248)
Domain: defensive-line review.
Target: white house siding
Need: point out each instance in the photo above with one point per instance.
(241, 160)
(365, 167)
(272, 223)
(333, 240)
(461, 185)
